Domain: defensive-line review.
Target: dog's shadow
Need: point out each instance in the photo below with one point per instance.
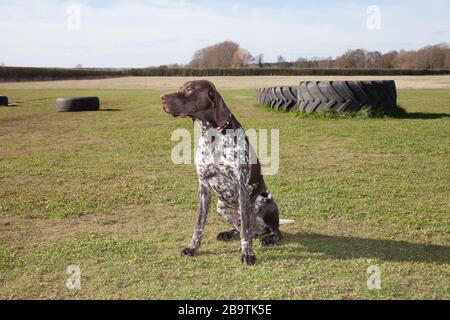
(344, 248)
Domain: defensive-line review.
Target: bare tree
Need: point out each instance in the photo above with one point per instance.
(387, 60)
(302, 63)
(406, 60)
(241, 58)
(373, 59)
(432, 57)
(260, 60)
(316, 62)
(352, 59)
(358, 58)
(216, 56)
(326, 63)
(344, 61)
(447, 60)
(281, 59)
(283, 63)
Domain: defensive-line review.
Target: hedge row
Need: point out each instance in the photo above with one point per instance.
(26, 74)
(42, 74)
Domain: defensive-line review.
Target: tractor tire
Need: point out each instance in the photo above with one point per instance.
(4, 101)
(78, 104)
(346, 96)
(284, 98)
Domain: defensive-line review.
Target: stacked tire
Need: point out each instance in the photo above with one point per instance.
(4, 101)
(346, 96)
(339, 96)
(284, 98)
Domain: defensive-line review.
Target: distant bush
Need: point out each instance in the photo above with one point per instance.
(43, 74)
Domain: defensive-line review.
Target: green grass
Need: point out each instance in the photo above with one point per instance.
(99, 190)
(367, 112)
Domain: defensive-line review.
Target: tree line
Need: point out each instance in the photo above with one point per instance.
(427, 58)
(229, 54)
(229, 59)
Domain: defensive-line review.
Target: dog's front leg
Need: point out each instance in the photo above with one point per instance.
(204, 201)
(247, 254)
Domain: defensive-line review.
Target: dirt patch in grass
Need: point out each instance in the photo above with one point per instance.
(131, 223)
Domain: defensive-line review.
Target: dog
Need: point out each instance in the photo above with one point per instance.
(228, 167)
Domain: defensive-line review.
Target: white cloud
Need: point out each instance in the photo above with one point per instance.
(153, 32)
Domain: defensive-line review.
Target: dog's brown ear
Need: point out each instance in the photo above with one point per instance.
(221, 111)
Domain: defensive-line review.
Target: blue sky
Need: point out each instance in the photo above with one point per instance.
(139, 33)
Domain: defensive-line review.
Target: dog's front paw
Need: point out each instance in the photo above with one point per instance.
(188, 252)
(248, 258)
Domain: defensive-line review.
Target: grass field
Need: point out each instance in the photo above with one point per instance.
(99, 190)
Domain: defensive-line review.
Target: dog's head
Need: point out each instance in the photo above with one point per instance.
(198, 100)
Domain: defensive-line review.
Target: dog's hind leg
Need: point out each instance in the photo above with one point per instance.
(228, 235)
(271, 239)
(267, 211)
(232, 217)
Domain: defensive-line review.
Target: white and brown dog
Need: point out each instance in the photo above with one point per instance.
(226, 165)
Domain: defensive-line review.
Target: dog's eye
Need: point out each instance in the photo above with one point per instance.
(189, 91)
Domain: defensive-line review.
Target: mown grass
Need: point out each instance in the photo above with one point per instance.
(99, 190)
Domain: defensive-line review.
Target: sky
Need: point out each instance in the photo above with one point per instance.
(141, 33)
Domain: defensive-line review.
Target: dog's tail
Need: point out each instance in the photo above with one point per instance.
(284, 222)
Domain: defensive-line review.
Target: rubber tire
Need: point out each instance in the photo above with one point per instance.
(263, 96)
(346, 96)
(78, 104)
(284, 98)
(4, 101)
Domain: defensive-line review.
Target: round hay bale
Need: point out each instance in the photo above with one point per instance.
(78, 104)
(4, 101)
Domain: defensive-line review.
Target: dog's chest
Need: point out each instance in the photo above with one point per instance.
(222, 165)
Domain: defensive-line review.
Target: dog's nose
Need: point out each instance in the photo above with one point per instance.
(163, 97)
